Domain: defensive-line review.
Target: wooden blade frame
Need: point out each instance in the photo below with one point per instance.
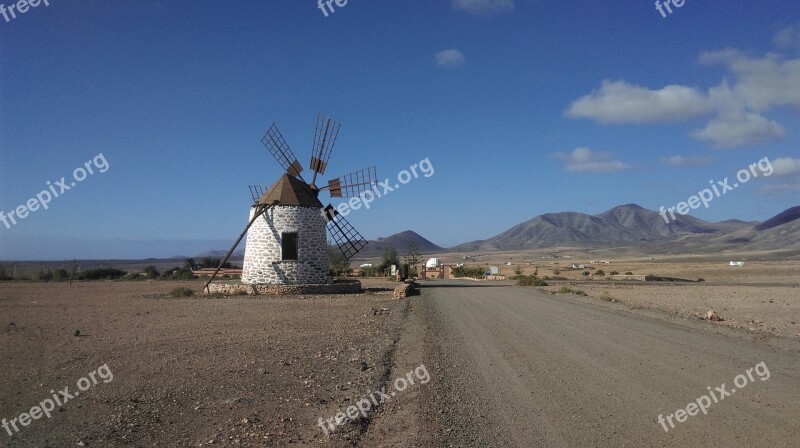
(277, 146)
(348, 239)
(324, 139)
(353, 184)
(260, 210)
(256, 191)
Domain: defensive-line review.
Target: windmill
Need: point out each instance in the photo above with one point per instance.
(289, 245)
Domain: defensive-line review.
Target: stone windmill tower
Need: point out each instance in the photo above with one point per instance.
(286, 239)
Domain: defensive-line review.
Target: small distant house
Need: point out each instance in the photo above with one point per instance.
(738, 264)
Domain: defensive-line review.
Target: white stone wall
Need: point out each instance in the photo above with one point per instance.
(262, 255)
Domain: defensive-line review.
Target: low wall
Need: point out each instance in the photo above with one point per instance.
(345, 287)
(404, 290)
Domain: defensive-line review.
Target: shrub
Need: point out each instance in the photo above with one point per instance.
(701, 279)
(606, 296)
(585, 273)
(518, 270)
(530, 280)
(565, 290)
(556, 271)
(629, 273)
(371, 271)
(102, 274)
(60, 275)
(613, 273)
(151, 272)
(600, 272)
(469, 271)
(3, 275)
(181, 292)
(45, 275)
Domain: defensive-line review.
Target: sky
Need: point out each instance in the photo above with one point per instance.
(521, 108)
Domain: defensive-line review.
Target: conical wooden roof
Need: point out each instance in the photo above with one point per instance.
(290, 191)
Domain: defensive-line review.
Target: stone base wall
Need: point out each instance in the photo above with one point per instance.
(262, 255)
(404, 290)
(348, 287)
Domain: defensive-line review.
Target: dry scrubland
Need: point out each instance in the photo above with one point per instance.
(247, 371)
(189, 372)
(763, 296)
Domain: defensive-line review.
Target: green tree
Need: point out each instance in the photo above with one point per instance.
(190, 264)
(389, 258)
(151, 272)
(60, 275)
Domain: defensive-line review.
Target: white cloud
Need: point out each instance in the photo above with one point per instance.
(484, 7)
(785, 166)
(760, 83)
(736, 108)
(620, 102)
(740, 129)
(450, 58)
(584, 160)
(788, 37)
(682, 161)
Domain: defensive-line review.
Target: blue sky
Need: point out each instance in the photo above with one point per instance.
(522, 107)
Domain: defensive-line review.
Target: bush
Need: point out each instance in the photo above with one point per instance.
(530, 280)
(60, 275)
(556, 271)
(565, 290)
(629, 273)
(45, 275)
(613, 273)
(102, 274)
(600, 272)
(701, 279)
(181, 292)
(151, 272)
(585, 273)
(518, 270)
(606, 296)
(371, 271)
(469, 272)
(133, 276)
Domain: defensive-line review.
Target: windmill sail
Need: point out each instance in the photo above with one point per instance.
(345, 236)
(353, 184)
(277, 146)
(324, 139)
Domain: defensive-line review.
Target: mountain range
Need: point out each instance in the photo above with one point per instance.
(622, 226)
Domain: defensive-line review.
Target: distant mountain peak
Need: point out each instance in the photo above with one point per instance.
(786, 216)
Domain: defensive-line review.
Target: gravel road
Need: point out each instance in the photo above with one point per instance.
(515, 366)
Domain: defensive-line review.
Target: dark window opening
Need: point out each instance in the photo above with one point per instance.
(289, 246)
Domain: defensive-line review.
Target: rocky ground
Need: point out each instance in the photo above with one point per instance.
(190, 372)
(242, 371)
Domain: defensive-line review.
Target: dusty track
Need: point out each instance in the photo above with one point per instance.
(518, 366)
